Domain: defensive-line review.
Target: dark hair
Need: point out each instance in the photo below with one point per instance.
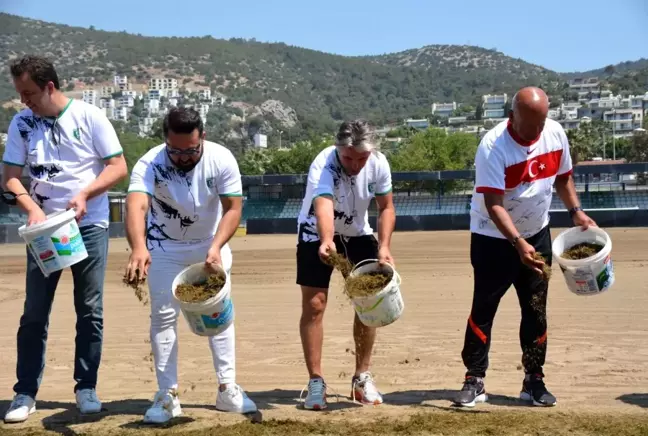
(182, 120)
(39, 69)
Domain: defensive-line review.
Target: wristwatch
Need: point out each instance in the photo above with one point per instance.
(573, 211)
(514, 241)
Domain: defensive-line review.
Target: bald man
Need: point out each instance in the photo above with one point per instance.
(517, 165)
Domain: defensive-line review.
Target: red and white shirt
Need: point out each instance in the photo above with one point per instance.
(524, 172)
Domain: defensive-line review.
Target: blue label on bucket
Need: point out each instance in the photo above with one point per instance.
(66, 246)
(218, 319)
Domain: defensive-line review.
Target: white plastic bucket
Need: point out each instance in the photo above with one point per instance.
(384, 307)
(209, 317)
(589, 276)
(55, 243)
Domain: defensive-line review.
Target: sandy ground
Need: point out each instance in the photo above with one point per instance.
(598, 345)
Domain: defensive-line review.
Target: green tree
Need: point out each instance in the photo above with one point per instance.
(637, 150)
(435, 150)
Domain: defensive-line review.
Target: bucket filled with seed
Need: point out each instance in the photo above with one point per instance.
(584, 257)
(204, 297)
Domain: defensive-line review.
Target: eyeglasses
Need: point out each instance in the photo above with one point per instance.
(188, 152)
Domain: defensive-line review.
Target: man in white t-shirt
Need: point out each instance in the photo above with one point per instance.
(191, 190)
(342, 180)
(73, 156)
(517, 165)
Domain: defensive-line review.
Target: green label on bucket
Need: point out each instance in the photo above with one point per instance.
(66, 246)
(603, 278)
(219, 318)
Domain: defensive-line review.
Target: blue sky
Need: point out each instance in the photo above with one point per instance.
(563, 35)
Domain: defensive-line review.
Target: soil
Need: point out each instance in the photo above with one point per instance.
(593, 372)
(582, 251)
(199, 292)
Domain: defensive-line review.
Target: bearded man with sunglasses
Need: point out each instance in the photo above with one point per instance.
(74, 157)
(191, 189)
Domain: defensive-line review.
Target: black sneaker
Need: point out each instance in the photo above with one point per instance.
(471, 393)
(533, 389)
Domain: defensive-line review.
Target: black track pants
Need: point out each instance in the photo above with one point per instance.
(497, 266)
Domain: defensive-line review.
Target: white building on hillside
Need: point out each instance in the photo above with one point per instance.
(444, 109)
(91, 96)
(163, 83)
(493, 106)
(260, 140)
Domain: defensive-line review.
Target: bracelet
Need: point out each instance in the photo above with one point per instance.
(573, 211)
(515, 240)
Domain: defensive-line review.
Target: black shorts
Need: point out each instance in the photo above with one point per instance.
(311, 271)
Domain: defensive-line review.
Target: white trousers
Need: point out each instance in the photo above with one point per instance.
(165, 311)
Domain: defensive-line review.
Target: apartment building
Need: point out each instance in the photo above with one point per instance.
(624, 121)
(204, 94)
(121, 83)
(107, 91)
(493, 106)
(91, 96)
(163, 83)
(260, 140)
(444, 109)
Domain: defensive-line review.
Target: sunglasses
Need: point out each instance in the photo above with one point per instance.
(188, 152)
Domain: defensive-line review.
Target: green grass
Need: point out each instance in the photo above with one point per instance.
(471, 423)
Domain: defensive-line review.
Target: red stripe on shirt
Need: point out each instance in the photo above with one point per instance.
(489, 190)
(539, 167)
(565, 175)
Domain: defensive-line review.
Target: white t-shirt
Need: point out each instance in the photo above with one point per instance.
(352, 194)
(185, 207)
(85, 140)
(524, 172)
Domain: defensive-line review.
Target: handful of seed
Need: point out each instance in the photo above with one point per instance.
(359, 286)
(546, 269)
(199, 292)
(138, 286)
(582, 251)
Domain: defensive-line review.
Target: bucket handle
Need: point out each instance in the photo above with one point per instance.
(396, 275)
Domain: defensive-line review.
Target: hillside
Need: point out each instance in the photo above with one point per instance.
(619, 69)
(318, 86)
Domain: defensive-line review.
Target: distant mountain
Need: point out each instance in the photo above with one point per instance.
(611, 70)
(321, 88)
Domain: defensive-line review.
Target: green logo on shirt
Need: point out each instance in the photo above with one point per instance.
(77, 133)
(371, 187)
(211, 182)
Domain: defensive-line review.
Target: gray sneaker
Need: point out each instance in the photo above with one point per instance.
(471, 393)
(316, 398)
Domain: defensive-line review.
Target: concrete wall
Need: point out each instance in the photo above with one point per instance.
(604, 218)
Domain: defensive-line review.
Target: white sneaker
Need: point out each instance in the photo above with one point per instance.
(21, 407)
(234, 400)
(316, 397)
(166, 406)
(87, 401)
(364, 390)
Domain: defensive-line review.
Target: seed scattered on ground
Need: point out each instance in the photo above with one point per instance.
(582, 251)
(199, 292)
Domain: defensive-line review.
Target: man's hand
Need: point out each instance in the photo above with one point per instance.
(36, 216)
(138, 265)
(582, 220)
(384, 256)
(78, 203)
(326, 249)
(213, 259)
(527, 255)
